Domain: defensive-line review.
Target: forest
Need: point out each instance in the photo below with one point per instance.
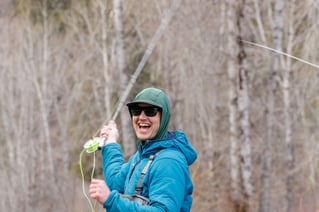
(242, 77)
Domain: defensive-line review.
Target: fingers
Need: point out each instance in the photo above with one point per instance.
(109, 129)
(99, 190)
(95, 181)
(106, 129)
(95, 188)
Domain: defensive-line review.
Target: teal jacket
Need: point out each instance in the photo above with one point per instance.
(167, 183)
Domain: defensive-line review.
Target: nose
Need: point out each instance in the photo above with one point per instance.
(142, 115)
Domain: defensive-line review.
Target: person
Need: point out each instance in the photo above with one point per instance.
(167, 184)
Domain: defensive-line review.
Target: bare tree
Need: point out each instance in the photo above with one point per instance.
(105, 61)
(122, 70)
(61, 75)
(243, 110)
(286, 87)
(241, 165)
(232, 68)
(272, 88)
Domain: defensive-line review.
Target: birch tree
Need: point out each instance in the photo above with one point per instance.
(288, 115)
(105, 59)
(277, 30)
(29, 184)
(57, 87)
(122, 70)
(243, 110)
(241, 165)
(45, 71)
(232, 103)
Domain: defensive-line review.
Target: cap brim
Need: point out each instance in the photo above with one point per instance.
(130, 104)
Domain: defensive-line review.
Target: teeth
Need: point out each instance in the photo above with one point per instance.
(143, 125)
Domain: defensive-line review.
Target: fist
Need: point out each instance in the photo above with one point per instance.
(99, 190)
(110, 131)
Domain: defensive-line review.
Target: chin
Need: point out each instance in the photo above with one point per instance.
(144, 137)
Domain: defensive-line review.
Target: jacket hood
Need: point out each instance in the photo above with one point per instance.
(156, 97)
(174, 140)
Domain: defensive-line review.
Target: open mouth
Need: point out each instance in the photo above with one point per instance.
(144, 126)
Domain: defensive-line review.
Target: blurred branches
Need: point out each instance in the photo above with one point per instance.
(64, 64)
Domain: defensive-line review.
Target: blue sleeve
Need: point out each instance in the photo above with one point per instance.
(114, 167)
(116, 203)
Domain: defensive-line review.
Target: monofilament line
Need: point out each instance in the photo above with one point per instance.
(282, 53)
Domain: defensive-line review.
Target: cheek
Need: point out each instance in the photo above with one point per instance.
(157, 123)
(134, 119)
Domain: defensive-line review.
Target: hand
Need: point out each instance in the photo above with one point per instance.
(110, 131)
(99, 190)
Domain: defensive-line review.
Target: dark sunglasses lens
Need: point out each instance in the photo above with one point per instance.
(149, 111)
(136, 111)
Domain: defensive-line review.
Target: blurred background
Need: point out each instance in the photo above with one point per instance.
(250, 111)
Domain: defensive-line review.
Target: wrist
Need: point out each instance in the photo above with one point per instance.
(109, 141)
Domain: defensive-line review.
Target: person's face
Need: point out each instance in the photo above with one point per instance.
(146, 124)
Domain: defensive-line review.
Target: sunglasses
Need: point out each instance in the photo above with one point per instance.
(148, 111)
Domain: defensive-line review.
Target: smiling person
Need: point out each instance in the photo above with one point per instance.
(157, 176)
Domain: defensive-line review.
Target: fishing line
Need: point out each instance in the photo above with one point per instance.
(94, 144)
(282, 53)
(83, 180)
(91, 145)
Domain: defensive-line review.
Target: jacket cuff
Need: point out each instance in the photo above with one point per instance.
(109, 202)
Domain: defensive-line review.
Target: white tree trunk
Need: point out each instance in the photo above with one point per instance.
(243, 109)
(272, 88)
(288, 115)
(232, 102)
(128, 137)
(105, 61)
